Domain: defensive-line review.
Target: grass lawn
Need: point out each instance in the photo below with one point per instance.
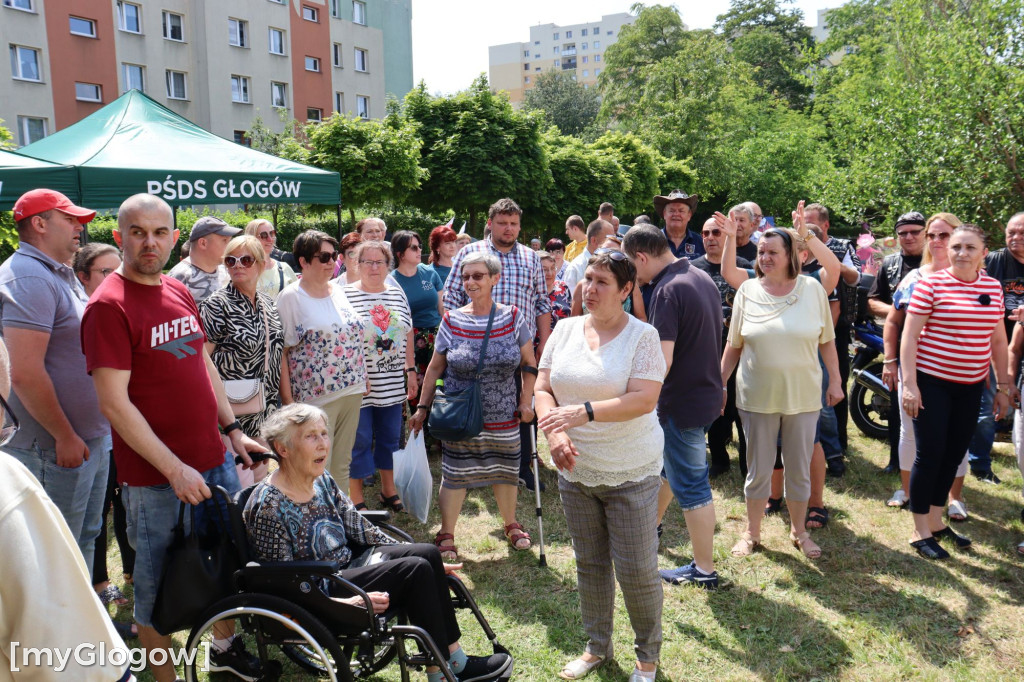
(869, 609)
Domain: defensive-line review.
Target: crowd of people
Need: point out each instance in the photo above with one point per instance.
(639, 352)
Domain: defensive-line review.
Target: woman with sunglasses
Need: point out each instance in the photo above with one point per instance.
(244, 336)
(937, 231)
(423, 288)
(276, 274)
(953, 334)
(386, 350)
(780, 323)
(492, 457)
(323, 337)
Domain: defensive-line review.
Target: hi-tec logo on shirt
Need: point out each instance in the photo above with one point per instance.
(174, 336)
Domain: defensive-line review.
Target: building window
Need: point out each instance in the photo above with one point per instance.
(129, 17)
(314, 115)
(583, 33)
(25, 63)
(359, 12)
(526, 80)
(362, 61)
(597, 72)
(174, 27)
(336, 9)
(31, 129)
(596, 31)
(536, 42)
(526, 66)
(280, 2)
(584, 59)
(597, 44)
(242, 139)
(557, 49)
(526, 53)
(279, 95)
(597, 57)
(362, 106)
(537, 69)
(337, 55)
(276, 41)
(583, 46)
(610, 33)
(555, 37)
(82, 27)
(88, 92)
(568, 34)
(238, 33)
(133, 77)
(585, 73)
(310, 13)
(313, 64)
(558, 63)
(240, 89)
(339, 101)
(27, 6)
(536, 56)
(176, 88)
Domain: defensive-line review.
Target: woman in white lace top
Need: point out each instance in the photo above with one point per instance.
(599, 382)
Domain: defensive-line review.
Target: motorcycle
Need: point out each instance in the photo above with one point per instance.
(869, 398)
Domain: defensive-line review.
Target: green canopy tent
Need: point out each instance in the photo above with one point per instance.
(19, 174)
(136, 145)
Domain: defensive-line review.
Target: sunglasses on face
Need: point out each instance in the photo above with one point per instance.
(244, 261)
(475, 276)
(614, 254)
(715, 232)
(909, 233)
(268, 235)
(325, 256)
(938, 236)
(10, 424)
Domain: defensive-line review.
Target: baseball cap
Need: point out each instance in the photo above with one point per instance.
(38, 201)
(208, 225)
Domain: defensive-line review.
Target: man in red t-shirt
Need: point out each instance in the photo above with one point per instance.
(160, 391)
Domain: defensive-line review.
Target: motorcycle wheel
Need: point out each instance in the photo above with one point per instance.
(869, 409)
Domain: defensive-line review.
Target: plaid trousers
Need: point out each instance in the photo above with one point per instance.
(616, 526)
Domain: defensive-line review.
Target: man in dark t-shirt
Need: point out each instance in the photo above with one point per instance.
(721, 428)
(144, 346)
(895, 266)
(687, 312)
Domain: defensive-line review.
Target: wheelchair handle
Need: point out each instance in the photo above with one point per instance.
(256, 457)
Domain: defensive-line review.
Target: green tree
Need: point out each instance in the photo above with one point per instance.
(583, 177)
(378, 160)
(639, 165)
(477, 149)
(563, 102)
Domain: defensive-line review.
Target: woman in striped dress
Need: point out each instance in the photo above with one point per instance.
(954, 331)
(387, 341)
(492, 457)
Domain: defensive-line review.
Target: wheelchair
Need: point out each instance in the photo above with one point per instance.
(281, 607)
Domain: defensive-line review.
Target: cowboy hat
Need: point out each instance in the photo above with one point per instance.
(676, 195)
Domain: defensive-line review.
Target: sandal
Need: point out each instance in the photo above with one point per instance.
(898, 500)
(515, 534)
(773, 506)
(449, 553)
(578, 669)
(805, 544)
(1020, 549)
(394, 502)
(818, 515)
(961, 541)
(112, 593)
(746, 545)
(957, 510)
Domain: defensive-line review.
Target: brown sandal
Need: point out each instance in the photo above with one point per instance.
(805, 544)
(449, 553)
(514, 533)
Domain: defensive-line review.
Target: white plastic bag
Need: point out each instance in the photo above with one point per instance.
(412, 477)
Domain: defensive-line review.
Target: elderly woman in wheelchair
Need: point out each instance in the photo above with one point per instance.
(299, 514)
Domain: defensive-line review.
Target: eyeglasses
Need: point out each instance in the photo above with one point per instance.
(10, 424)
(475, 276)
(373, 263)
(103, 271)
(245, 261)
(325, 256)
(268, 235)
(711, 233)
(909, 233)
(938, 236)
(414, 247)
(614, 254)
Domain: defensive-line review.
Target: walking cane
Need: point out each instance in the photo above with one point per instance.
(536, 493)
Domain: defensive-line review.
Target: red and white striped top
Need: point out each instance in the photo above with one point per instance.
(956, 342)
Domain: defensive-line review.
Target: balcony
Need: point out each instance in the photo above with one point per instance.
(568, 64)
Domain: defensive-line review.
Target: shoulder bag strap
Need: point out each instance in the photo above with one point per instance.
(487, 337)
(280, 277)
(266, 338)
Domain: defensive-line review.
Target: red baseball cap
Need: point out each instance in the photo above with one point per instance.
(39, 200)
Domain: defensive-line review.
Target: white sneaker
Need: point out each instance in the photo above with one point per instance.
(898, 499)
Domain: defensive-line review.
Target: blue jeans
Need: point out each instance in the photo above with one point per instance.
(686, 465)
(828, 424)
(78, 492)
(376, 440)
(979, 454)
(152, 514)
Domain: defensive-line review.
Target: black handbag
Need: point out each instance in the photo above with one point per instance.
(459, 415)
(199, 570)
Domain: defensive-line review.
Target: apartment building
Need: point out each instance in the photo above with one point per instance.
(577, 49)
(219, 63)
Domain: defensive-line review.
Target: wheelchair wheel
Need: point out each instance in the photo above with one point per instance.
(363, 660)
(269, 626)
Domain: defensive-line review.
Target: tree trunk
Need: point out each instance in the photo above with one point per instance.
(352, 216)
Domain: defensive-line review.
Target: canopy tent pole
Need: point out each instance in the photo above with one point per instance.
(340, 235)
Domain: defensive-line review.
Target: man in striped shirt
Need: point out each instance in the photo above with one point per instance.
(521, 284)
